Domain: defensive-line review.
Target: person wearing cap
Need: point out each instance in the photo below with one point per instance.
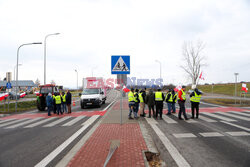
(195, 98)
(49, 102)
(159, 98)
(181, 102)
(131, 104)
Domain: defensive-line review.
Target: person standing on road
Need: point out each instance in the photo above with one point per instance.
(68, 101)
(159, 98)
(150, 101)
(142, 96)
(58, 100)
(131, 104)
(181, 101)
(54, 103)
(64, 108)
(137, 101)
(171, 99)
(49, 102)
(195, 98)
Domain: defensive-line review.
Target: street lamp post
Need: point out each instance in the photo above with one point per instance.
(160, 66)
(236, 74)
(45, 54)
(15, 71)
(76, 79)
(34, 43)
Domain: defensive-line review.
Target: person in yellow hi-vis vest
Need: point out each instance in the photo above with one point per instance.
(64, 108)
(159, 98)
(131, 104)
(142, 98)
(195, 98)
(58, 100)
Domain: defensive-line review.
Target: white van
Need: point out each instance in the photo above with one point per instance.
(92, 97)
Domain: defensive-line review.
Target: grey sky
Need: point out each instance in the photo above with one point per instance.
(93, 30)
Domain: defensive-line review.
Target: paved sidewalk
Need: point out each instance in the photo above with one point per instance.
(132, 144)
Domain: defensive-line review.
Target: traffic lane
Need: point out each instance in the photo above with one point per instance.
(201, 151)
(28, 146)
(111, 96)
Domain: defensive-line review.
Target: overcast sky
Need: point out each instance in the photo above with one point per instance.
(93, 30)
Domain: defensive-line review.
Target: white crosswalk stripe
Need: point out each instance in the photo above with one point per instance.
(22, 123)
(40, 122)
(6, 120)
(168, 119)
(184, 135)
(211, 134)
(240, 113)
(219, 117)
(247, 111)
(241, 133)
(12, 122)
(234, 116)
(237, 126)
(73, 121)
(188, 121)
(90, 120)
(204, 118)
(57, 121)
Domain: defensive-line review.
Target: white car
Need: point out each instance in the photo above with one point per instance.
(92, 97)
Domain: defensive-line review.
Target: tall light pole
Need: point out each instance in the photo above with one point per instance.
(34, 43)
(160, 66)
(76, 79)
(15, 71)
(236, 74)
(45, 54)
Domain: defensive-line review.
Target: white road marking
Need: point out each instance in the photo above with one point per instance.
(247, 111)
(12, 122)
(6, 120)
(22, 123)
(109, 105)
(188, 121)
(175, 154)
(240, 113)
(238, 126)
(216, 105)
(184, 135)
(211, 134)
(219, 117)
(57, 121)
(234, 116)
(40, 122)
(91, 119)
(168, 119)
(151, 120)
(73, 121)
(60, 148)
(242, 133)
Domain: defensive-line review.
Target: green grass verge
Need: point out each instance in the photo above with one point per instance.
(228, 102)
(225, 89)
(21, 106)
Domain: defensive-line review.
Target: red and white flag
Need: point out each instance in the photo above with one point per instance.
(244, 87)
(201, 76)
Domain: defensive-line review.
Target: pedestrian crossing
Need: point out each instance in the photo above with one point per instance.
(46, 122)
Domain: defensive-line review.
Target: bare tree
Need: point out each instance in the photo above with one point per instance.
(193, 60)
(37, 82)
(52, 82)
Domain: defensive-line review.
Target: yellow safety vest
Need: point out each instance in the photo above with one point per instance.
(141, 98)
(170, 98)
(131, 96)
(64, 98)
(175, 98)
(58, 99)
(135, 99)
(195, 98)
(158, 96)
(183, 95)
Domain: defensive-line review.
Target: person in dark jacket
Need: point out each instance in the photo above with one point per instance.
(137, 101)
(142, 102)
(150, 101)
(49, 102)
(171, 99)
(68, 101)
(195, 102)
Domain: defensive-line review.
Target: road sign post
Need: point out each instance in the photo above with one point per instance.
(120, 65)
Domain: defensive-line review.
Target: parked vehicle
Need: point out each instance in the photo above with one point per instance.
(44, 91)
(12, 95)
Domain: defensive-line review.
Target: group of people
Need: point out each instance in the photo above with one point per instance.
(59, 103)
(138, 98)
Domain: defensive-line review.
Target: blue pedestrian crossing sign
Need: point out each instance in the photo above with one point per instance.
(8, 85)
(120, 64)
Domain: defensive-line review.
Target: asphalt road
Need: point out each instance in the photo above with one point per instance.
(22, 146)
(208, 143)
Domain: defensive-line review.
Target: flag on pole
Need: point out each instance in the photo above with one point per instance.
(201, 76)
(244, 87)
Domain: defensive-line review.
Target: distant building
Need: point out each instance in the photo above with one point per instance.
(8, 76)
(22, 84)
